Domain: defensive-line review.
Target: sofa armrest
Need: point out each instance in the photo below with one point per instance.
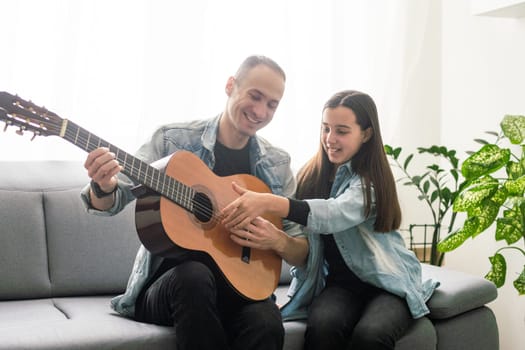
(458, 292)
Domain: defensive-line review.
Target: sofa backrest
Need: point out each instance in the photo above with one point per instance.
(49, 244)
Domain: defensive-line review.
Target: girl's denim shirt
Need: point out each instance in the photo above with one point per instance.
(268, 163)
(380, 259)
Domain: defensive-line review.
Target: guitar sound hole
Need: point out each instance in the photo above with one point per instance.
(202, 207)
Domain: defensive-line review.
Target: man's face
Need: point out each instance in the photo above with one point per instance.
(253, 100)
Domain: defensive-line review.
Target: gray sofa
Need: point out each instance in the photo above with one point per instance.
(59, 267)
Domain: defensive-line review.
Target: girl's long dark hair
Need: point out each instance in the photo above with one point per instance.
(371, 163)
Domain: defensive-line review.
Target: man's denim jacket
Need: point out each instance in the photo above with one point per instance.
(268, 163)
(380, 259)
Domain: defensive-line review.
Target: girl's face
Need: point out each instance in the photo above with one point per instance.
(341, 136)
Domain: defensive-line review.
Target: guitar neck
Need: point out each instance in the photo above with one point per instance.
(133, 167)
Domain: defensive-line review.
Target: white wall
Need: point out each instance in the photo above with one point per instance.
(483, 78)
(419, 106)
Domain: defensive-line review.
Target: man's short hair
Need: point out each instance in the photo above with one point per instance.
(255, 60)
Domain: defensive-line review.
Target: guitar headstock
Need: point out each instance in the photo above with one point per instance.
(27, 116)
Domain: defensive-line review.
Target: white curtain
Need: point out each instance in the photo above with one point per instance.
(121, 68)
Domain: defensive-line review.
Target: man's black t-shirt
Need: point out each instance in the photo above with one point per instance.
(231, 161)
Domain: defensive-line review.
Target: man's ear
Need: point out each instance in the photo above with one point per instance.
(229, 86)
(368, 134)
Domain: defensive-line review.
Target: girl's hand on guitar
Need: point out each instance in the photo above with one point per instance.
(260, 234)
(102, 167)
(242, 211)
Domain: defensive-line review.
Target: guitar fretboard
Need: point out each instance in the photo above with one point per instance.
(133, 167)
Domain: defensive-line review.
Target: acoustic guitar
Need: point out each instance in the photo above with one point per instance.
(180, 206)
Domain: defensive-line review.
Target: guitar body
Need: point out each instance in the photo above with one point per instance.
(163, 226)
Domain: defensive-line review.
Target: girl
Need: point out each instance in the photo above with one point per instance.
(360, 287)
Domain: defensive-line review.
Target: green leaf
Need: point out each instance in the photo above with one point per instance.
(426, 186)
(515, 187)
(483, 142)
(479, 222)
(511, 226)
(513, 127)
(431, 150)
(435, 168)
(482, 216)
(407, 161)
(453, 159)
(500, 196)
(498, 271)
(416, 180)
(454, 174)
(482, 203)
(446, 195)
(519, 283)
(485, 161)
(397, 152)
(433, 196)
(452, 241)
(514, 170)
(507, 229)
(392, 152)
(474, 194)
(435, 182)
(522, 161)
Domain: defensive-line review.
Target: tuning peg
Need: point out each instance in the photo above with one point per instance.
(5, 127)
(20, 131)
(35, 134)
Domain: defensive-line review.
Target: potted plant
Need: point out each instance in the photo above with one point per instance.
(494, 192)
(437, 188)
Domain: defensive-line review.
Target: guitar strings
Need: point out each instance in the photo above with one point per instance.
(165, 185)
(86, 139)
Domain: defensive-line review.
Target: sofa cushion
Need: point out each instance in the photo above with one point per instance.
(53, 246)
(28, 313)
(458, 292)
(474, 329)
(75, 323)
(23, 252)
(88, 254)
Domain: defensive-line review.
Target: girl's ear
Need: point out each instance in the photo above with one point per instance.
(368, 134)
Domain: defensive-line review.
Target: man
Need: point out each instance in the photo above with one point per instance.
(187, 290)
